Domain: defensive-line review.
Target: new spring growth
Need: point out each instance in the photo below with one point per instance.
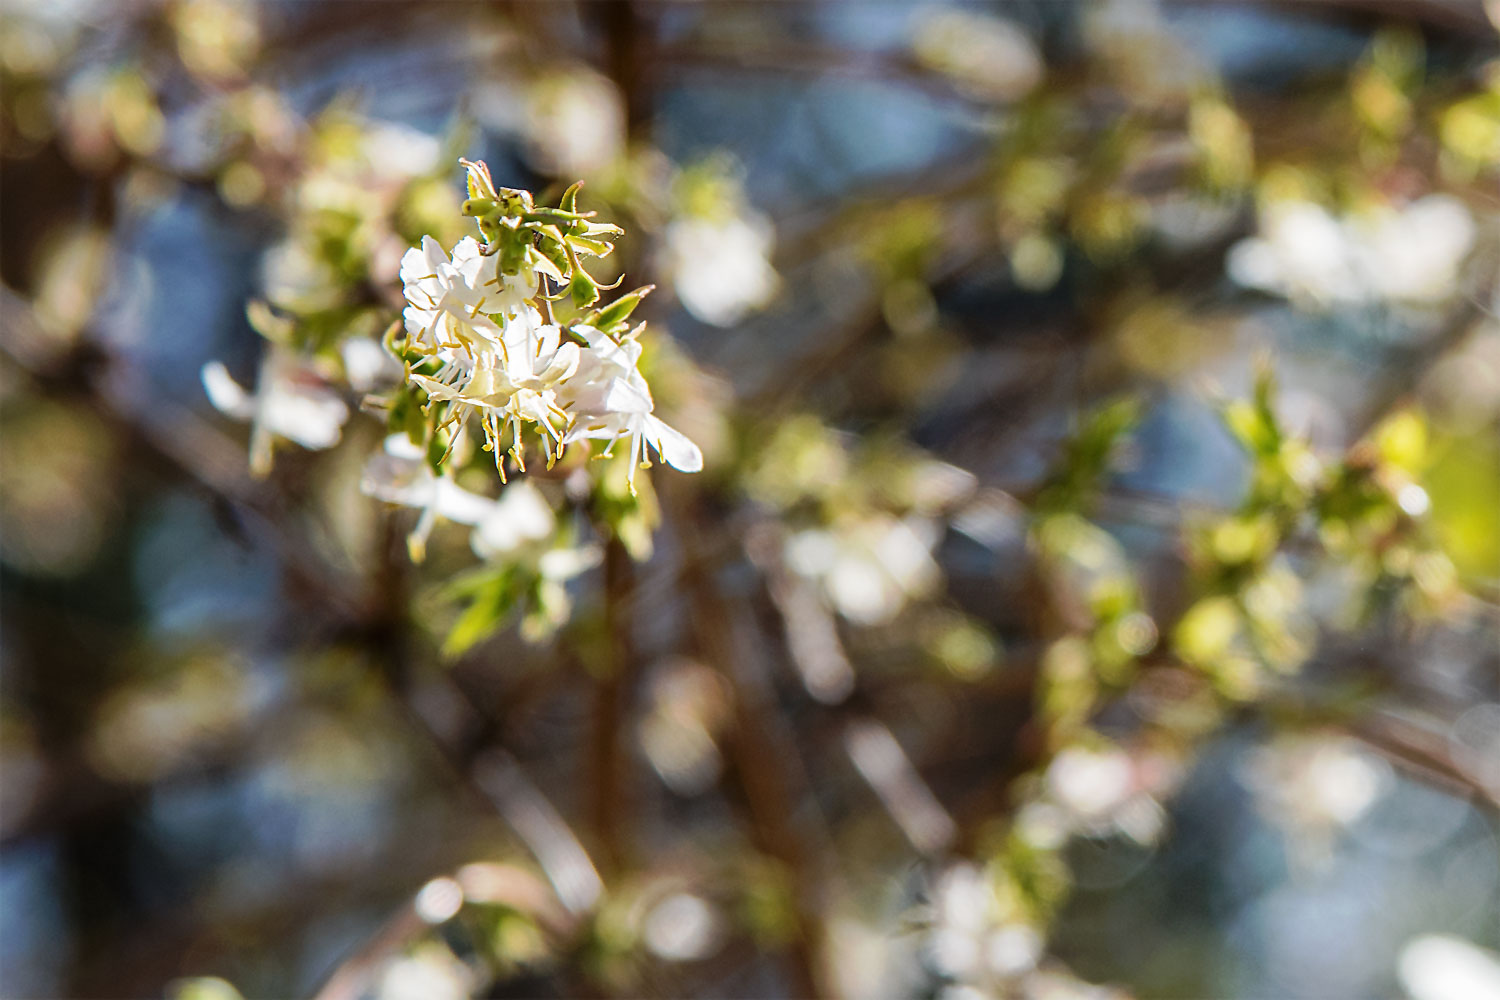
(477, 344)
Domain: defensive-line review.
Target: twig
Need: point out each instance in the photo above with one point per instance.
(610, 773)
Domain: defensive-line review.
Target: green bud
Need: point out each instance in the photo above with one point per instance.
(618, 311)
(512, 255)
(480, 183)
(593, 247)
(265, 321)
(585, 292)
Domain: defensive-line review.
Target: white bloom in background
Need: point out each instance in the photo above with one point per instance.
(520, 517)
(290, 401)
(970, 939)
(520, 524)
(987, 56)
(722, 269)
(868, 569)
(1101, 791)
(430, 972)
(682, 928)
(1314, 785)
(399, 474)
(1406, 255)
(963, 908)
(1089, 783)
(367, 364)
(400, 151)
(608, 398)
(1443, 967)
(575, 123)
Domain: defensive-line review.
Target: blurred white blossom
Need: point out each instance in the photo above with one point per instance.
(574, 122)
(399, 474)
(721, 268)
(1444, 967)
(1312, 786)
(1100, 790)
(682, 928)
(987, 56)
(1410, 254)
(972, 939)
(868, 568)
(290, 401)
(367, 365)
(431, 972)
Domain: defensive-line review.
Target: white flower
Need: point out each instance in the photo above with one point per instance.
(608, 399)
(500, 360)
(1091, 784)
(367, 364)
(574, 123)
(399, 474)
(1410, 254)
(515, 384)
(1444, 967)
(721, 269)
(450, 302)
(520, 517)
(969, 939)
(868, 569)
(290, 402)
(497, 360)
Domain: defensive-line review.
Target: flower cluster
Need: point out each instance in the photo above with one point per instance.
(480, 341)
(1412, 254)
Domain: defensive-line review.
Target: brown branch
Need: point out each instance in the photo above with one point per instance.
(609, 752)
(764, 757)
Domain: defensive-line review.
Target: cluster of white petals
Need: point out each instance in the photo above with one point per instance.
(971, 940)
(290, 401)
(520, 523)
(499, 361)
(1410, 254)
(868, 569)
(721, 268)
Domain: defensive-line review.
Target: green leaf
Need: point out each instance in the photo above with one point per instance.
(494, 597)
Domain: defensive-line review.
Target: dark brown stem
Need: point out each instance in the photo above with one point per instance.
(764, 759)
(608, 752)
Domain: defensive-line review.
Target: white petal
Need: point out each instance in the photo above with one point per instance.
(673, 446)
(458, 504)
(521, 515)
(312, 419)
(622, 396)
(225, 393)
(561, 564)
(367, 364)
(563, 364)
(401, 446)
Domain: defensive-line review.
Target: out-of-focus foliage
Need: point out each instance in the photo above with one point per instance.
(1092, 585)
